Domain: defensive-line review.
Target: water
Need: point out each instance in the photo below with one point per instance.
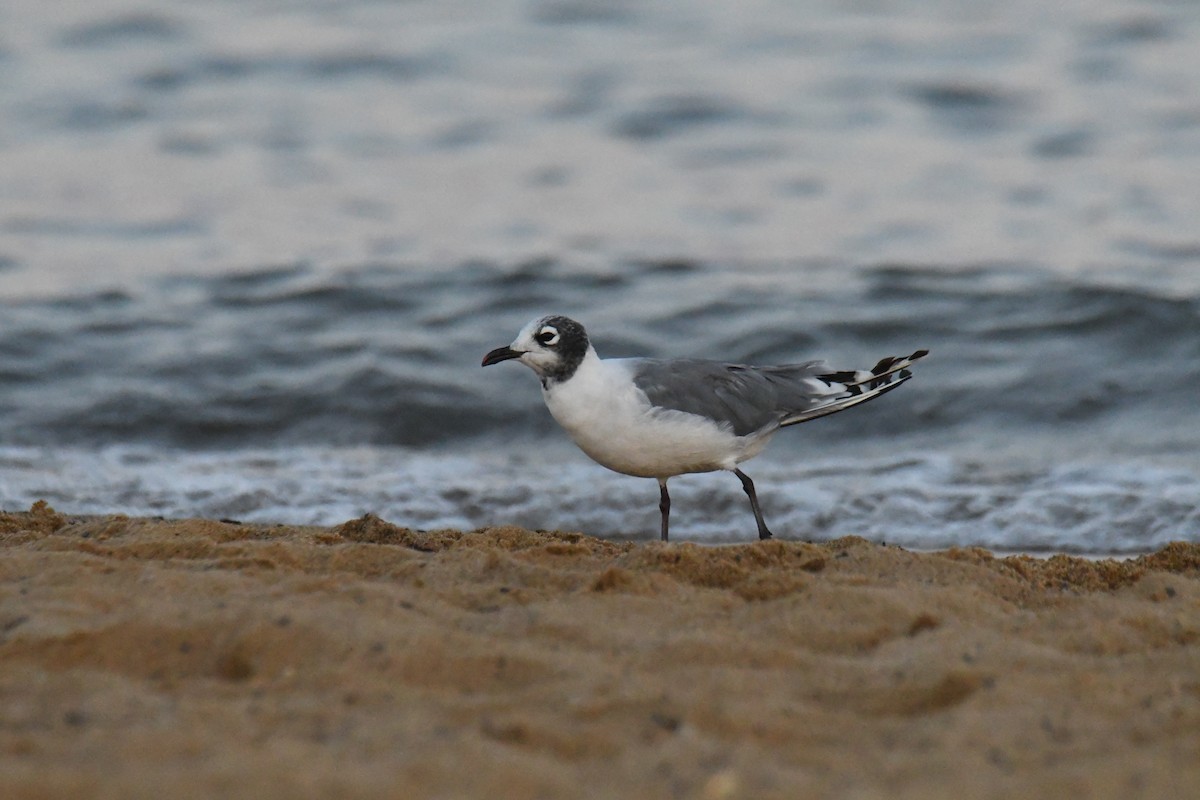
(251, 254)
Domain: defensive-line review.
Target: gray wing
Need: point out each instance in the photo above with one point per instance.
(751, 399)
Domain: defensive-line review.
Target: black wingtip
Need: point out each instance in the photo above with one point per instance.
(918, 354)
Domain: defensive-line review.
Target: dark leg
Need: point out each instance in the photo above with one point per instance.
(748, 485)
(664, 505)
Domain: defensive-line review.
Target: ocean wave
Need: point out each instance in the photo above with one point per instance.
(389, 355)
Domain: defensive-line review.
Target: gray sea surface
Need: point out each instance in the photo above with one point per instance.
(251, 254)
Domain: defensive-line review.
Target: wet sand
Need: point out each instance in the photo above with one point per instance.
(197, 658)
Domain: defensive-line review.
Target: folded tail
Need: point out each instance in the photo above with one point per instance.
(858, 386)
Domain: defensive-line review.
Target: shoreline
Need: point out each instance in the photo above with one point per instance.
(650, 538)
(199, 657)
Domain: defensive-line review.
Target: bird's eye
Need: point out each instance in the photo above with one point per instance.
(547, 336)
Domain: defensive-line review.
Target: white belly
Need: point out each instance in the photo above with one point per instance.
(616, 426)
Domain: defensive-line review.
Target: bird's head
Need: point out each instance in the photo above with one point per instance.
(551, 346)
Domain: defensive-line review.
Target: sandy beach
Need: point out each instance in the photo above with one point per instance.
(198, 658)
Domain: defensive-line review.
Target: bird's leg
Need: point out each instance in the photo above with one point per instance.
(748, 485)
(664, 505)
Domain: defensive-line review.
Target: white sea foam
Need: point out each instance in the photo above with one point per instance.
(913, 502)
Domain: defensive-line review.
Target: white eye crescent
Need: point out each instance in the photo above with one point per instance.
(547, 336)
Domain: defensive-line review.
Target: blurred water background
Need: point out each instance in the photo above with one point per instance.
(252, 252)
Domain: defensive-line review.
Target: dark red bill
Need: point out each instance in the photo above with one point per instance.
(500, 354)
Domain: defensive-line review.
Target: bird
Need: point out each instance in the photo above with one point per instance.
(663, 417)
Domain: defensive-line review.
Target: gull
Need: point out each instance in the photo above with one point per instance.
(658, 418)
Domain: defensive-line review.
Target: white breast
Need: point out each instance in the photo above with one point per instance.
(614, 423)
